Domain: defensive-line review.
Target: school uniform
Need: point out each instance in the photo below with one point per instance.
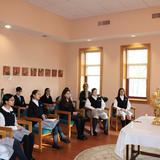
(46, 99)
(6, 148)
(8, 118)
(79, 120)
(83, 97)
(97, 105)
(18, 101)
(122, 102)
(35, 109)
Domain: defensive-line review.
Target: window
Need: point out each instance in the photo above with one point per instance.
(91, 68)
(135, 71)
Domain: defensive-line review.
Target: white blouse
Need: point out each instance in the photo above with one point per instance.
(88, 103)
(115, 105)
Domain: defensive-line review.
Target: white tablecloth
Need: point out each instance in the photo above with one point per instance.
(139, 132)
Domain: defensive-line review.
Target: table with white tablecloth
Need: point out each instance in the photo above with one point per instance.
(140, 132)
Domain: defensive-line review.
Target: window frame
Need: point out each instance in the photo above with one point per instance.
(124, 82)
(84, 51)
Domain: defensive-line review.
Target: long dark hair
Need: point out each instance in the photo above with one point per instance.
(118, 95)
(34, 92)
(6, 97)
(65, 90)
(45, 91)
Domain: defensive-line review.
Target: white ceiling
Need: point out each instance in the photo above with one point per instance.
(75, 9)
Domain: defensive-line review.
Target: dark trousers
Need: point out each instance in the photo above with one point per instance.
(18, 152)
(125, 122)
(28, 142)
(80, 122)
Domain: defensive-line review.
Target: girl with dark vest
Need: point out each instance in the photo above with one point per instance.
(8, 119)
(19, 100)
(66, 104)
(35, 109)
(97, 105)
(123, 106)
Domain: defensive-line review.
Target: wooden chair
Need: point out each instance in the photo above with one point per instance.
(39, 131)
(67, 122)
(9, 131)
(89, 111)
(116, 119)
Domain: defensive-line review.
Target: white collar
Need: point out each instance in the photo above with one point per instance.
(122, 97)
(6, 109)
(35, 101)
(95, 97)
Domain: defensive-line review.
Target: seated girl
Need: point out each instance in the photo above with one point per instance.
(8, 119)
(123, 106)
(66, 104)
(35, 109)
(47, 99)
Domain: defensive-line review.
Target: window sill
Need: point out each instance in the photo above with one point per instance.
(136, 100)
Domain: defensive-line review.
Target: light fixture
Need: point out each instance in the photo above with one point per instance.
(7, 26)
(133, 35)
(89, 40)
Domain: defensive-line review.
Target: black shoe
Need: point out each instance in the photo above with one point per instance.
(106, 131)
(85, 137)
(94, 133)
(65, 140)
(56, 147)
(82, 137)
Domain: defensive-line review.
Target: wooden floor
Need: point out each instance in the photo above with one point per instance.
(69, 151)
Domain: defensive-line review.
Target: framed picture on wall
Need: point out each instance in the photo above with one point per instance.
(16, 71)
(54, 72)
(40, 72)
(60, 73)
(6, 70)
(25, 71)
(47, 72)
(33, 71)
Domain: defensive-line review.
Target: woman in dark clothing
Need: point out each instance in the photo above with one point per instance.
(66, 104)
(35, 109)
(46, 98)
(84, 95)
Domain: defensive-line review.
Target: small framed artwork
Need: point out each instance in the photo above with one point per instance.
(40, 72)
(16, 71)
(47, 72)
(54, 72)
(33, 71)
(25, 71)
(60, 73)
(6, 70)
